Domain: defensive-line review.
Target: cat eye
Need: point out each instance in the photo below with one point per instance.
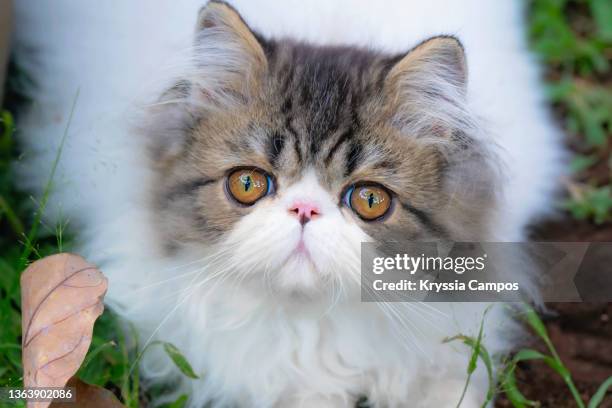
(368, 201)
(247, 185)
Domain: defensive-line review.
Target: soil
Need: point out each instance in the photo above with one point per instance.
(581, 332)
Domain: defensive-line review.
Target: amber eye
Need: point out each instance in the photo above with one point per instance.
(249, 185)
(369, 201)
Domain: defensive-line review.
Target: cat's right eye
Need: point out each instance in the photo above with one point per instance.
(247, 185)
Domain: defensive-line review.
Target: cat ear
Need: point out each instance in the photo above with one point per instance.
(223, 71)
(427, 88)
(229, 56)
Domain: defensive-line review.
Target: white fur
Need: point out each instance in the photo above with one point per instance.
(255, 349)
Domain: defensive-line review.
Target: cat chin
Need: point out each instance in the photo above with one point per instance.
(299, 274)
(299, 281)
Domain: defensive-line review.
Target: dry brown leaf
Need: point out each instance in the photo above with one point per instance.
(61, 297)
(89, 396)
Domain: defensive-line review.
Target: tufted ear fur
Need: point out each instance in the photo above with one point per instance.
(427, 88)
(228, 54)
(222, 73)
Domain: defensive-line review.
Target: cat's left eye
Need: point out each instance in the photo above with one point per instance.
(369, 201)
(247, 185)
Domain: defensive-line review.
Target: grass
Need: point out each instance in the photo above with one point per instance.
(24, 237)
(111, 360)
(573, 38)
(506, 382)
(108, 360)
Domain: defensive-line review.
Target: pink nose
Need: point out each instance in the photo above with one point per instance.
(304, 211)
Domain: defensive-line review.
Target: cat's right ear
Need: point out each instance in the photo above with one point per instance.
(229, 56)
(224, 71)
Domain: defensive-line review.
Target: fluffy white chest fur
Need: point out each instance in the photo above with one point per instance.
(252, 349)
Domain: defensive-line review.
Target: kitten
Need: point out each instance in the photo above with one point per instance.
(229, 212)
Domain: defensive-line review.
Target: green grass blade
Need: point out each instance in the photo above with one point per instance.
(486, 359)
(31, 236)
(180, 402)
(600, 393)
(14, 221)
(556, 365)
(528, 354)
(534, 321)
(6, 139)
(516, 398)
(478, 351)
(179, 360)
(92, 354)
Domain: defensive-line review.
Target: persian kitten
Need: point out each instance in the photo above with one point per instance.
(225, 180)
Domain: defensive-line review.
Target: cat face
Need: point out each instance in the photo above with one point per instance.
(286, 156)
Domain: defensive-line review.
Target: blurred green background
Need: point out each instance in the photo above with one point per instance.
(574, 40)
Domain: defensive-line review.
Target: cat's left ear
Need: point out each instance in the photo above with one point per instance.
(427, 87)
(229, 54)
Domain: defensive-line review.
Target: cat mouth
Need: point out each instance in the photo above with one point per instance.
(302, 253)
(301, 250)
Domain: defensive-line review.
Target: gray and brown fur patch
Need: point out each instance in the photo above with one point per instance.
(350, 114)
